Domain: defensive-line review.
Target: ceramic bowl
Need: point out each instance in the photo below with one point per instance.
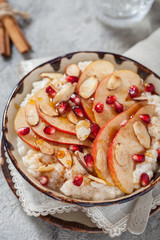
(25, 86)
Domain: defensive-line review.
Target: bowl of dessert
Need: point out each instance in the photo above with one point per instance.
(84, 128)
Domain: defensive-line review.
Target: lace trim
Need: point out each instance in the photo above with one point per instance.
(113, 230)
(21, 194)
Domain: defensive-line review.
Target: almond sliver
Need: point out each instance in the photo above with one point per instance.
(95, 179)
(32, 116)
(114, 82)
(88, 87)
(45, 147)
(46, 168)
(142, 134)
(72, 70)
(65, 93)
(47, 109)
(121, 155)
(72, 117)
(83, 130)
(51, 75)
(64, 157)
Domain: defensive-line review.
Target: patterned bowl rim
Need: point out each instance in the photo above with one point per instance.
(83, 203)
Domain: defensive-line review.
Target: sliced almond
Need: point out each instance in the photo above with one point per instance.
(114, 82)
(95, 179)
(72, 70)
(64, 157)
(80, 157)
(65, 93)
(46, 168)
(88, 87)
(32, 116)
(51, 75)
(121, 154)
(141, 98)
(72, 117)
(48, 109)
(83, 130)
(142, 134)
(45, 147)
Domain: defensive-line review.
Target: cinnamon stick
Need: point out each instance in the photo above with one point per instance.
(2, 40)
(15, 32)
(7, 45)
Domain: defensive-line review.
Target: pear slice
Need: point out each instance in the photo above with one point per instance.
(32, 139)
(45, 104)
(20, 122)
(126, 79)
(87, 105)
(99, 68)
(104, 139)
(59, 137)
(48, 114)
(121, 165)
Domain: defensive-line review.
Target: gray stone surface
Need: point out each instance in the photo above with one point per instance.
(58, 27)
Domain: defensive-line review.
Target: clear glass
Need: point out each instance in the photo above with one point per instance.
(121, 13)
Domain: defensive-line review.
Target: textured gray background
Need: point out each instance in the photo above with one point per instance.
(58, 27)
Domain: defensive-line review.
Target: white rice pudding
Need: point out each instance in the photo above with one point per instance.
(62, 179)
(150, 164)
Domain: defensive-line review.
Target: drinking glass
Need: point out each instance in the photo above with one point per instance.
(121, 13)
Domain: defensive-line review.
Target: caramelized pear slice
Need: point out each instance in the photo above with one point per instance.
(122, 167)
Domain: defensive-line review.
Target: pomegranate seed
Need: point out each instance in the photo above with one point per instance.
(99, 107)
(78, 180)
(111, 99)
(72, 79)
(43, 180)
(145, 117)
(50, 91)
(78, 111)
(74, 148)
(94, 129)
(118, 107)
(76, 99)
(158, 150)
(63, 107)
(23, 131)
(138, 158)
(123, 123)
(133, 91)
(144, 179)
(49, 130)
(150, 88)
(89, 160)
